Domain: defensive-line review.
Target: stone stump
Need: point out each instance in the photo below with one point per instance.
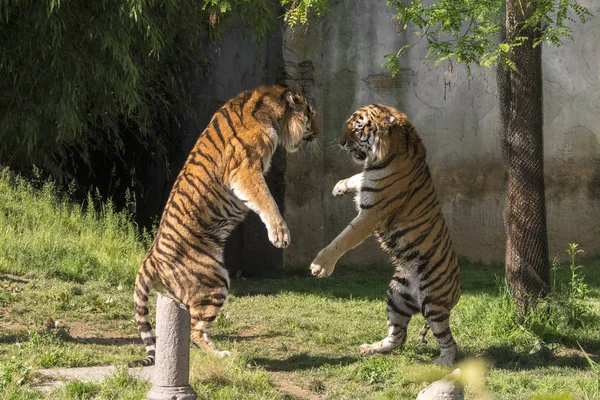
(170, 380)
(447, 388)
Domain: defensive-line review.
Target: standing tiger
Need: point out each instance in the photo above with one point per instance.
(221, 180)
(396, 201)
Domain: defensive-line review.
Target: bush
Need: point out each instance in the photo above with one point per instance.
(563, 310)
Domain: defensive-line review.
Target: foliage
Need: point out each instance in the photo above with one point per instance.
(80, 78)
(76, 76)
(299, 11)
(468, 30)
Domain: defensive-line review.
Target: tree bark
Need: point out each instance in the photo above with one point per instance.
(527, 264)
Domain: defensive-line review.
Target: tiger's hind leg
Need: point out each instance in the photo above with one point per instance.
(400, 308)
(204, 309)
(438, 318)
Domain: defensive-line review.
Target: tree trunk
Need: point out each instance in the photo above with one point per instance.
(527, 264)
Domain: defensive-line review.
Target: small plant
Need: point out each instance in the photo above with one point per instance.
(52, 357)
(570, 297)
(578, 288)
(61, 300)
(13, 372)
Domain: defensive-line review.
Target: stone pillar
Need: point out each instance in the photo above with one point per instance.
(171, 373)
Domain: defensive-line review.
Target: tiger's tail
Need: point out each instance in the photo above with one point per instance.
(140, 300)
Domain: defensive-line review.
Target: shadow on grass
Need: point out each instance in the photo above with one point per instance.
(24, 336)
(505, 357)
(102, 341)
(241, 338)
(302, 362)
(368, 282)
(14, 338)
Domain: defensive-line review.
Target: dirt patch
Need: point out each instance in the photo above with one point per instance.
(87, 333)
(85, 330)
(6, 279)
(10, 285)
(77, 332)
(12, 326)
(573, 353)
(286, 386)
(252, 333)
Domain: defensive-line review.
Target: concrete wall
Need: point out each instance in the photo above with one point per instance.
(338, 63)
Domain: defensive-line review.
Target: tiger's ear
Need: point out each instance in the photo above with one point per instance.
(389, 120)
(295, 100)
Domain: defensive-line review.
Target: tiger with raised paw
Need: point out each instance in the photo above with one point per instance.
(222, 179)
(396, 202)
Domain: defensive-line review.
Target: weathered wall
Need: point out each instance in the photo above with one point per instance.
(339, 63)
(572, 134)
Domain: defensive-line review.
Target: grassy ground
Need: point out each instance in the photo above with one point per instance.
(66, 301)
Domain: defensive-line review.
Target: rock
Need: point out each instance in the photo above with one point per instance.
(447, 388)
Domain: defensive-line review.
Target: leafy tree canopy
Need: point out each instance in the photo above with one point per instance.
(468, 31)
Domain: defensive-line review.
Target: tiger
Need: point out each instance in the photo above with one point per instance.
(220, 182)
(396, 201)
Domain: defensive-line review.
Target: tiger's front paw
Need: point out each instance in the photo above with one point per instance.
(340, 188)
(279, 234)
(321, 268)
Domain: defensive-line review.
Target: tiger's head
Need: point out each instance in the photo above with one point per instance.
(370, 132)
(298, 122)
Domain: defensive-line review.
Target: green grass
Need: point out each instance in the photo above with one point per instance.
(43, 235)
(291, 335)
